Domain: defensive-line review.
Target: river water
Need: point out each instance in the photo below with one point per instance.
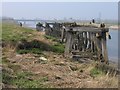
(112, 44)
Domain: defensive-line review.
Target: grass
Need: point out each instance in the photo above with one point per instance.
(96, 72)
(58, 48)
(14, 67)
(37, 47)
(32, 50)
(0, 60)
(6, 77)
(50, 37)
(23, 80)
(4, 60)
(14, 75)
(12, 33)
(54, 48)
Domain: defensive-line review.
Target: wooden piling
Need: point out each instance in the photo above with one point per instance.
(104, 47)
(68, 44)
(62, 35)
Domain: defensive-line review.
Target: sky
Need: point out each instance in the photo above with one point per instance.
(60, 10)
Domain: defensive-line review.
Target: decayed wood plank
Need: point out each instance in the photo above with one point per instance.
(68, 44)
(62, 35)
(86, 29)
(104, 47)
(99, 49)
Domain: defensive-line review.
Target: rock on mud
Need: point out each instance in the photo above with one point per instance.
(43, 59)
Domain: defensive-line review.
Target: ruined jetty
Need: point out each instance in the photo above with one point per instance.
(81, 41)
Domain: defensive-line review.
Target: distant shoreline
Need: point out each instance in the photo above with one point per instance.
(115, 27)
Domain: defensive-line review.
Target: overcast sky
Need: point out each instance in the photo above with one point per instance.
(60, 10)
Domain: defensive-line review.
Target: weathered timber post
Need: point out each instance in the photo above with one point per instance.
(89, 41)
(68, 45)
(62, 35)
(93, 43)
(89, 37)
(55, 30)
(85, 40)
(47, 29)
(99, 47)
(104, 47)
(80, 41)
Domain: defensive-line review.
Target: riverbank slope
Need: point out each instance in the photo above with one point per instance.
(30, 59)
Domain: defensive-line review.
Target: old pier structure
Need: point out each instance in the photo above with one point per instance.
(86, 42)
(81, 41)
(53, 29)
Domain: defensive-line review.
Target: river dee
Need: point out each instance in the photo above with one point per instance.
(112, 44)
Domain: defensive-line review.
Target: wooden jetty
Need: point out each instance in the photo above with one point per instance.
(86, 41)
(83, 41)
(53, 29)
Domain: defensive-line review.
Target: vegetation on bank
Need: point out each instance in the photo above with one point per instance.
(14, 76)
(24, 41)
(96, 72)
(37, 47)
(12, 33)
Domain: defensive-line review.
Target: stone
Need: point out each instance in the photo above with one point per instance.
(58, 77)
(43, 59)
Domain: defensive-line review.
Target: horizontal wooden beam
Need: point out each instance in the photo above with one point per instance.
(86, 29)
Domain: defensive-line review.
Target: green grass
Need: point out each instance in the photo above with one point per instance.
(12, 33)
(32, 50)
(37, 47)
(7, 77)
(23, 80)
(13, 75)
(96, 72)
(58, 48)
(50, 37)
